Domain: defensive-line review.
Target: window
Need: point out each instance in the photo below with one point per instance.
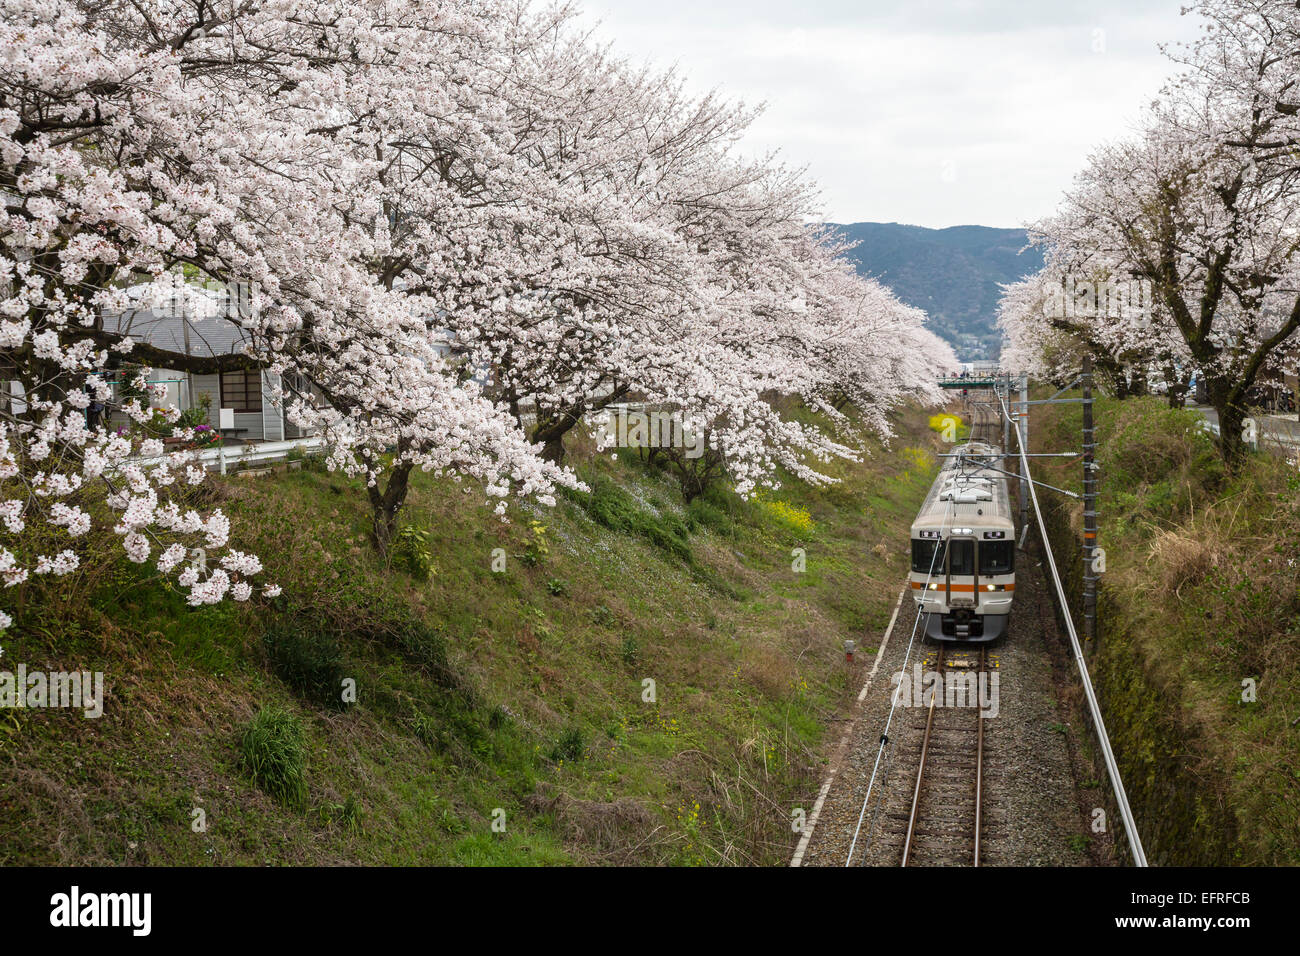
(997, 557)
(923, 558)
(963, 557)
(242, 391)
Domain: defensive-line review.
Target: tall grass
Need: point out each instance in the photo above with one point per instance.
(272, 750)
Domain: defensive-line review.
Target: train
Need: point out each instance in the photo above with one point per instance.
(963, 575)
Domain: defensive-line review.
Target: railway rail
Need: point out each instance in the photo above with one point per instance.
(985, 421)
(945, 823)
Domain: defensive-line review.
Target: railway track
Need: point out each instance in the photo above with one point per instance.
(986, 421)
(934, 808)
(945, 822)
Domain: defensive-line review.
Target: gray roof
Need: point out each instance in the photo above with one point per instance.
(207, 337)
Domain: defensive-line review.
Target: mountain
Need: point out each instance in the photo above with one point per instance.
(952, 274)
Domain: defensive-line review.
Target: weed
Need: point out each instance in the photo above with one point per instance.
(411, 553)
(629, 650)
(274, 754)
(571, 746)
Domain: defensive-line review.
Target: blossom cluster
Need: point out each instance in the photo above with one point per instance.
(388, 180)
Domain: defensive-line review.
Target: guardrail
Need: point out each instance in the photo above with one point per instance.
(264, 452)
(1277, 437)
(222, 457)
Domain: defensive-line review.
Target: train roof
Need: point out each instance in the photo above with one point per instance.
(968, 492)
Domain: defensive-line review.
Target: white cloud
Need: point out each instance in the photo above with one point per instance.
(936, 113)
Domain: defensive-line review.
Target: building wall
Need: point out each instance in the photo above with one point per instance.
(252, 421)
(209, 385)
(272, 413)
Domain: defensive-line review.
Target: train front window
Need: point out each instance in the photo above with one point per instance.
(924, 560)
(997, 557)
(923, 557)
(963, 556)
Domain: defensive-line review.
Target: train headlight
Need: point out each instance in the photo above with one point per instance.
(934, 586)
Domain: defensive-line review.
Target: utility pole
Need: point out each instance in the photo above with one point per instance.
(1022, 423)
(1090, 574)
(1005, 387)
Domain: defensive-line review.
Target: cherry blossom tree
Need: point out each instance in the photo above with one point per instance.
(73, 105)
(380, 179)
(1202, 206)
(234, 141)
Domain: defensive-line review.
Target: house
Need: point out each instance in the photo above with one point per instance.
(246, 404)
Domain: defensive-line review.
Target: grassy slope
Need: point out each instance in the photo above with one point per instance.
(1200, 593)
(520, 691)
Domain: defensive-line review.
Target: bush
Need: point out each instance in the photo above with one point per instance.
(536, 549)
(950, 426)
(426, 648)
(630, 650)
(1162, 453)
(411, 553)
(306, 655)
(571, 745)
(273, 752)
(611, 506)
(792, 518)
(702, 513)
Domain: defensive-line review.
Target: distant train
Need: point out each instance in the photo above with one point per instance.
(964, 549)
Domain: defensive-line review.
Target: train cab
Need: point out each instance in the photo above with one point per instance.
(963, 550)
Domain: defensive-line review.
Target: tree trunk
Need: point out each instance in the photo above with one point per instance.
(1232, 417)
(552, 440)
(385, 506)
(550, 431)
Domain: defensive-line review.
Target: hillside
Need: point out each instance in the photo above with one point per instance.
(1198, 630)
(953, 274)
(517, 697)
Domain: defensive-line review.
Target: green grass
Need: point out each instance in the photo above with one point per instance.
(523, 690)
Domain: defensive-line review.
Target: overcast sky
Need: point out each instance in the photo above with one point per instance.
(932, 112)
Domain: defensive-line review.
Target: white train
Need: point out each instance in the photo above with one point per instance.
(964, 549)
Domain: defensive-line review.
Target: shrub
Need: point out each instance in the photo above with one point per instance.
(411, 553)
(204, 435)
(426, 648)
(273, 752)
(197, 414)
(306, 655)
(611, 506)
(629, 650)
(950, 426)
(702, 513)
(571, 745)
(536, 548)
(790, 517)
